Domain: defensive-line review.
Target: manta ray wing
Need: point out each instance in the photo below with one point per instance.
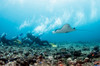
(65, 29)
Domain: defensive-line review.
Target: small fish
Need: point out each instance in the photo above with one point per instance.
(18, 41)
(53, 45)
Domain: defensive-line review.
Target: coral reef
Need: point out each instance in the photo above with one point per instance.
(66, 54)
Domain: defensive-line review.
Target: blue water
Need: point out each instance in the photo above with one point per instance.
(44, 16)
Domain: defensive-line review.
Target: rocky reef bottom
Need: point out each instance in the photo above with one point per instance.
(63, 54)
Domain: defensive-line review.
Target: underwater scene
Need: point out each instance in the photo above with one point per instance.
(49, 32)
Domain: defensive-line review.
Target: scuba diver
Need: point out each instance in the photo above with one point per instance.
(4, 40)
(26, 40)
(31, 36)
(29, 39)
(38, 41)
(16, 37)
(16, 40)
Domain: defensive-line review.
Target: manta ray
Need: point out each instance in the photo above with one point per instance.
(65, 29)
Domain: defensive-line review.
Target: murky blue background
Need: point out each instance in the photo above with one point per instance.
(44, 16)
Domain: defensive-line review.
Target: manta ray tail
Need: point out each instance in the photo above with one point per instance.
(83, 30)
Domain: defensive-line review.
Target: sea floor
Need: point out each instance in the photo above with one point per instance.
(63, 54)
